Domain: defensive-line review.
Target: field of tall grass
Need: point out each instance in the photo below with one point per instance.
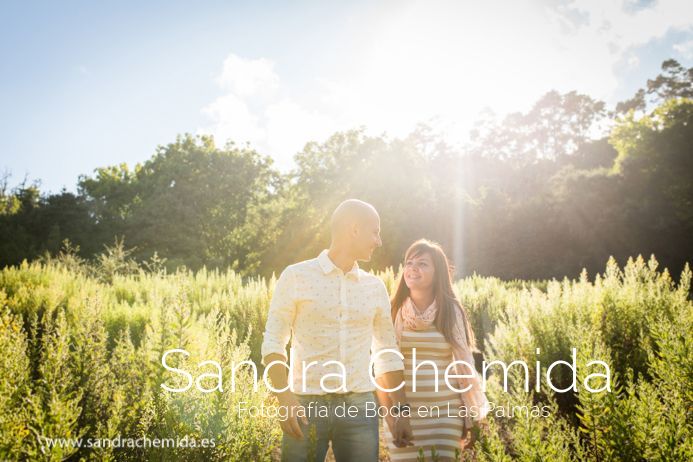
(81, 347)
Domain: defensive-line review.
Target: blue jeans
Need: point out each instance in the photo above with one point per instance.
(354, 436)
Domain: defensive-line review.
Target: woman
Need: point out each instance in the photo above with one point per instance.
(432, 324)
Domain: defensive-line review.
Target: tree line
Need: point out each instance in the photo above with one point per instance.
(533, 195)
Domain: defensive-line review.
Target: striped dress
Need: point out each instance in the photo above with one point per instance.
(432, 427)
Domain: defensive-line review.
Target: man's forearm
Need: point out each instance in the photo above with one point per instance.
(391, 380)
(277, 373)
(383, 396)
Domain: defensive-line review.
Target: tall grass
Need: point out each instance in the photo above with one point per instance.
(81, 357)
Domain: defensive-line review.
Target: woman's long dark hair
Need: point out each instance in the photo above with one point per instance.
(445, 297)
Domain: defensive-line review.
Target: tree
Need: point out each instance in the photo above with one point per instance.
(675, 81)
(32, 224)
(189, 202)
(654, 161)
(556, 126)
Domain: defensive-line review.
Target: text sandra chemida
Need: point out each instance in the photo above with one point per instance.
(335, 382)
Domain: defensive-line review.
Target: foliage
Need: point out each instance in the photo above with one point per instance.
(82, 358)
(569, 178)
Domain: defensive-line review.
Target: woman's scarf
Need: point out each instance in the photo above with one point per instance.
(410, 318)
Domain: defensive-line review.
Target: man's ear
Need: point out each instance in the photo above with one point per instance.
(355, 230)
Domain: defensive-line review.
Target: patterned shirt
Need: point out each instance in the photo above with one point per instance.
(333, 317)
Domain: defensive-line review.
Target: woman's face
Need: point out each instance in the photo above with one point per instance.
(419, 272)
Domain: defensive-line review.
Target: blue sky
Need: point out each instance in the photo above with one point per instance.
(89, 84)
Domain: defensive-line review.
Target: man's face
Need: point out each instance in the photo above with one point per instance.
(367, 238)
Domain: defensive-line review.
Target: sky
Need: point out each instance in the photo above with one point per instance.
(88, 84)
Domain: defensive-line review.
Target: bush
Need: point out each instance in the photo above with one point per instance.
(82, 358)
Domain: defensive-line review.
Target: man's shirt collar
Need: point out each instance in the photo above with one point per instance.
(328, 265)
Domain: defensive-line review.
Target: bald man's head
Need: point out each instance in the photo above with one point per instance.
(350, 212)
(356, 224)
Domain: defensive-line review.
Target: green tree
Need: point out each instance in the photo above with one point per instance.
(675, 81)
(190, 203)
(654, 164)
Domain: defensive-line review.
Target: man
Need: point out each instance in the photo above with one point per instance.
(338, 315)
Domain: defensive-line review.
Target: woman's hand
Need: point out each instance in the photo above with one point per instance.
(473, 433)
(402, 435)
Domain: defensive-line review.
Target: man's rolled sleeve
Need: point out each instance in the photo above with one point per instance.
(384, 337)
(280, 317)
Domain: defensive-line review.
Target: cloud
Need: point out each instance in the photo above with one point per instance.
(233, 120)
(256, 109)
(611, 33)
(629, 24)
(248, 77)
(442, 63)
(685, 49)
(633, 6)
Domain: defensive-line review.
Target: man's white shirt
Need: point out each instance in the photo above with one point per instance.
(331, 316)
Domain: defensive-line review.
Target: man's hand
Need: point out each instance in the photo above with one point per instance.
(402, 434)
(290, 425)
(278, 376)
